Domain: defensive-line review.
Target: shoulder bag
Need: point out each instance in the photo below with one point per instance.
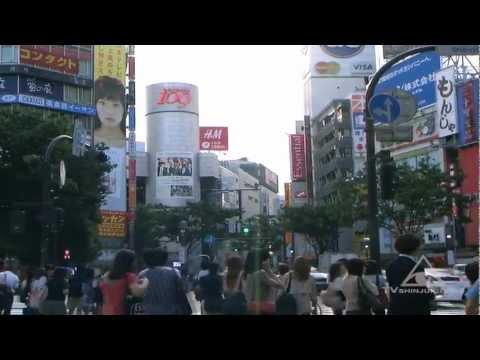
(367, 300)
(286, 303)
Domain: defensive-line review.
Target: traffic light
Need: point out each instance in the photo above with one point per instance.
(66, 255)
(387, 175)
(245, 230)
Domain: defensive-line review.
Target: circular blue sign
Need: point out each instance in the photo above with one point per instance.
(384, 108)
(342, 51)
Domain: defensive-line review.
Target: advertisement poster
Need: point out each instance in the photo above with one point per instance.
(271, 179)
(446, 102)
(110, 105)
(342, 60)
(424, 127)
(415, 75)
(174, 174)
(48, 60)
(468, 112)
(297, 155)
(214, 138)
(113, 224)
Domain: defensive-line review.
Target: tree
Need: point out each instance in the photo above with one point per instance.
(265, 232)
(420, 195)
(201, 219)
(25, 134)
(317, 223)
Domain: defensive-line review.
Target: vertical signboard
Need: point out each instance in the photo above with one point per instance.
(446, 102)
(297, 157)
(111, 111)
(468, 112)
(174, 174)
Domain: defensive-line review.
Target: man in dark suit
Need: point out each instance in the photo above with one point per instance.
(408, 292)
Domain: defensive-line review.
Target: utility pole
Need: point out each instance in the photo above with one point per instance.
(132, 176)
(371, 164)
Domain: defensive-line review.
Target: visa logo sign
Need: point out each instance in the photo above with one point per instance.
(363, 68)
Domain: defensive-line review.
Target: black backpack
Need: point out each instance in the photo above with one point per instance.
(237, 303)
(286, 303)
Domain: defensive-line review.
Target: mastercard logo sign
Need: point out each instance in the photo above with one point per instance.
(331, 68)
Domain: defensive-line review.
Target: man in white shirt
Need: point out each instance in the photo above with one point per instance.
(9, 282)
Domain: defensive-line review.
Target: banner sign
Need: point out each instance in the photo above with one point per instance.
(113, 224)
(37, 87)
(8, 84)
(468, 112)
(297, 156)
(214, 138)
(446, 102)
(48, 60)
(174, 174)
(51, 104)
(415, 75)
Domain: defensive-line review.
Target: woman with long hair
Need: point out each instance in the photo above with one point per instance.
(233, 281)
(302, 286)
(57, 286)
(333, 297)
(261, 283)
(119, 282)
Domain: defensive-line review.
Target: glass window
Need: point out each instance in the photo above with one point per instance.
(71, 94)
(85, 96)
(85, 68)
(8, 54)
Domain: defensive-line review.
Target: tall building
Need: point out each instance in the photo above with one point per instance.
(55, 78)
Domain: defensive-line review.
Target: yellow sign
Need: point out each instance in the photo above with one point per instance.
(110, 60)
(113, 224)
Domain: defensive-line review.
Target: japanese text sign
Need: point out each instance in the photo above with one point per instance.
(110, 60)
(113, 224)
(446, 102)
(8, 84)
(37, 87)
(48, 60)
(214, 138)
(468, 112)
(297, 155)
(415, 75)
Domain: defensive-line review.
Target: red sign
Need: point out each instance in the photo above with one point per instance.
(132, 169)
(358, 103)
(183, 97)
(297, 156)
(48, 60)
(214, 138)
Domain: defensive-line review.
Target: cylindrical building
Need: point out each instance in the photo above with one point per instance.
(172, 144)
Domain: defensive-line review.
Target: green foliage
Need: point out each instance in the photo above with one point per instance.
(265, 232)
(25, 134)
(201, 219)
(421, 195)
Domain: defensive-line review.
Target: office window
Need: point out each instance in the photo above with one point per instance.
(8, 54)
(85, 96)
(71, 94)
(85, 68)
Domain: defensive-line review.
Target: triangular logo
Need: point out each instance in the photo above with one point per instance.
(416, 279)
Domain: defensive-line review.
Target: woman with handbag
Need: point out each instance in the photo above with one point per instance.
(301, 286)
(118, 283)
(261, 283)
(355, 287)
(333, 297)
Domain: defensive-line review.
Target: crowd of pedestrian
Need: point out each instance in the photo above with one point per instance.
(247, 286)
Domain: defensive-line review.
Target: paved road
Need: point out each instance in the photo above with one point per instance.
(444, 308)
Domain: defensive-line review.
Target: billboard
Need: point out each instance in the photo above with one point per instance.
(468, 112)
(415, 75)
(113, 224)
(48, 60)
(342, 60)
(213, 138)
(174, 174)
(446, 102)
(297, 157)
(270, 179)
(111, 111)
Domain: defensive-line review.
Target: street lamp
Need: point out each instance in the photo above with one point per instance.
(371, 166)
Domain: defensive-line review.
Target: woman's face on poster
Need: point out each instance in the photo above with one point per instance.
(110, 112)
